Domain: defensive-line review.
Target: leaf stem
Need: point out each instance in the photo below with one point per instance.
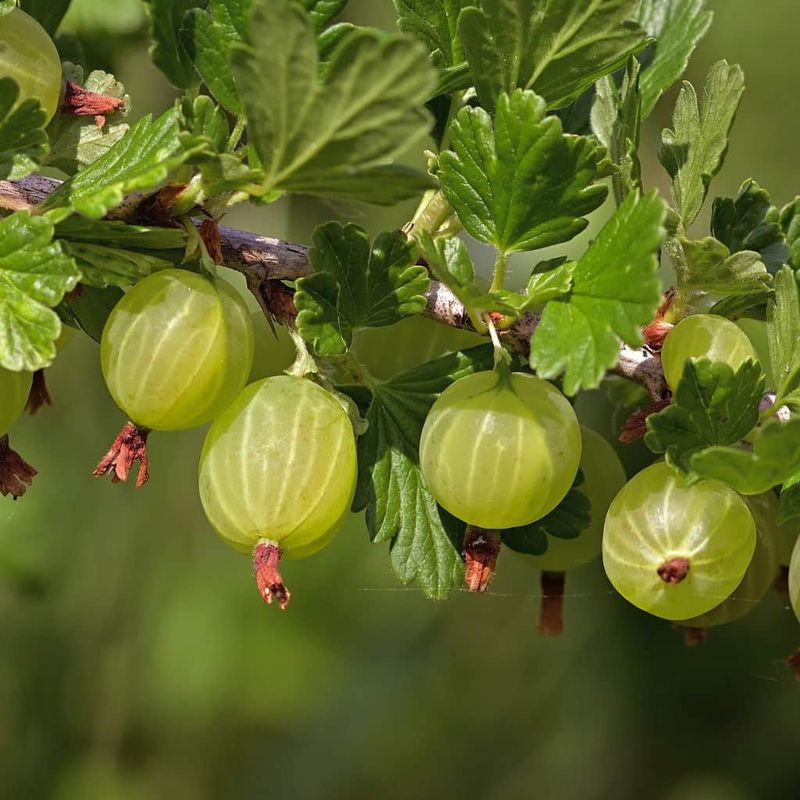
(499, 272)
(236, 134)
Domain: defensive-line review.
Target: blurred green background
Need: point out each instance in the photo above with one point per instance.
(136, 660)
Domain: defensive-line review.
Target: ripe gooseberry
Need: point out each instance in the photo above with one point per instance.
(761, 572)
(676, 550)
(704, 336)
(500, 450)
(175, 352)
(603, 477)
(794, 579)
(278, 473)
(28, 55)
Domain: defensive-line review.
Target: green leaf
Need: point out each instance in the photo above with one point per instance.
(713, 405)
(520, 184)
(750, 222)
(168, 52)
(34, 276)
(115, 233)
(322, 12)
(357, 286)
(783, 331)
(49, 13)
(790, 223)
(677, 26)
(451, 264)
(77, 141)
(558, 48)
(566, 521)
(694, 150)
(789, 507)
(390, 484)
(333, 134)
(710, 268)
(616, 121)
(435, 23)
(89, 308)
(208, 37)
(140, 161)
(23, 142)
(775, 457)
(550, 279)
(102, 266)
(616, 290)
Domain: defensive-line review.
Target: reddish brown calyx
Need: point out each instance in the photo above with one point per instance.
(80, 102)
(16, 475)
(481, 549)
(693, 636)
(674, 570)
(551, 612)
(38, 395)
(794, 663)
(655, 333)
(266, 559)
(635, 426)
(129, 447)
(209, 233)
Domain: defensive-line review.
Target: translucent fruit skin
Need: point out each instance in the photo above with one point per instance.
(603, 477)
(279, 464)
(28, 55)
(14, 390)
(499, 452)
(704, 336)
(176, 350)
(657, 517)
(794, 580)
(760, 575)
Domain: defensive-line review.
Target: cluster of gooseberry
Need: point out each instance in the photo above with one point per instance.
(500, 450)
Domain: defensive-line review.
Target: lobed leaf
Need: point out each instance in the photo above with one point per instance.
(520, 183)
(140, 161)
(48, 13)
(34, 276)
(694, 150)
(710, 268)
(677, 26)
(333, 133)
(356, 285)
(615, 290)
(566, 521)
(23, 142)
(783, 331)
(774, 458)
(750, 222)
(101, 265)
(424, 539)
(712, 405)
(167, 51)
(557, 48)
(435, 23)
(616, 119)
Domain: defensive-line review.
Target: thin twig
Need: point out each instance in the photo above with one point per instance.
(262, 259)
